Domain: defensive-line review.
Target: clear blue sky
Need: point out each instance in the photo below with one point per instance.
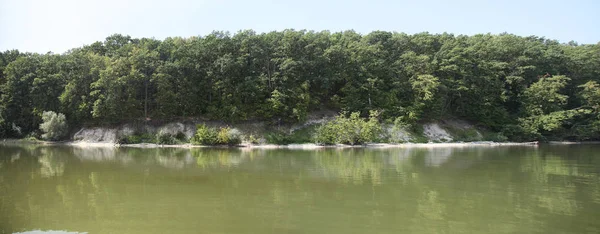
(58, 25)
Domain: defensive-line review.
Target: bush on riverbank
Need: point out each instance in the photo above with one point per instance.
(229, 136)
(204, 135)
(170, 139)
(351, 130)
(211, 136)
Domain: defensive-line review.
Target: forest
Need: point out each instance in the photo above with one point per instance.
(526, 88)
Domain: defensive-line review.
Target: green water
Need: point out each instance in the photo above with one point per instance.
(546, 189)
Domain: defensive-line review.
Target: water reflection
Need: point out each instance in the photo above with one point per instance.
(166, 157)
(49, 232)
(478, 189)
(51, 165)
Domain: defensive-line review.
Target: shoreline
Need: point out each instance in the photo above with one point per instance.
(308, 146)
(305, 146)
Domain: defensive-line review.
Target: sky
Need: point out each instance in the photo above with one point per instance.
(59, 25)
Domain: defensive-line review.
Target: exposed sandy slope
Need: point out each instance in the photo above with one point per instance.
(107, 136)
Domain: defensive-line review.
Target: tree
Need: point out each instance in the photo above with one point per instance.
(589, 123)
(490, 80)
(544, 96)
(54, 125)
(544, 105)
(590, 94)
(80, 70)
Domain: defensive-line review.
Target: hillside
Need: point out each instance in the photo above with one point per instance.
(526, 88)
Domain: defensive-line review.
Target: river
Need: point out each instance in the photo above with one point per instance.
(476, 189)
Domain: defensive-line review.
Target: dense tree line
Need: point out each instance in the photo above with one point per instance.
(524, 87)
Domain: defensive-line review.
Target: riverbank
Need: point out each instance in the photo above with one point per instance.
(262, 133)
(272, 146)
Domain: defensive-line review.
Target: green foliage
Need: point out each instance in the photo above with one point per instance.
(31, 138)
(591, 94)
(491, 80)
(405, 125)
(205, 135)
(465, 135)
(160, 138)
(181, 137)
(167, 139)
(278, 138)
(304, 135)
(544, 96)
(54, 125)
(252, 139)
(517, 132)
(229, 136)
(351, 130)
(234, 137)
(539, 125)
(587, 132)
(299, 136)
(494, 136)
(211, 136)
(586, 124)
(417, 134)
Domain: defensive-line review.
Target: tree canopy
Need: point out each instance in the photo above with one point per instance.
(526, 87)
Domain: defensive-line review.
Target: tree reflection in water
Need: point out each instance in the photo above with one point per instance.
(476, 189)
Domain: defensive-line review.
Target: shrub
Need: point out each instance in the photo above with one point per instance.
(278, 138)
(298, 136)
(160, 138)
(519, 133)
(398, 125)
(463, 134)
(54, 125)
(495, 137)
(326, 134)
(166, 139)
(252, 139)
(223, 136)
(235, 137)
(417, 134)
(228, 136)
(181, 137)
(304, 135)
(122, 140)
(211, 136)
(351, 130)
(204, 135)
